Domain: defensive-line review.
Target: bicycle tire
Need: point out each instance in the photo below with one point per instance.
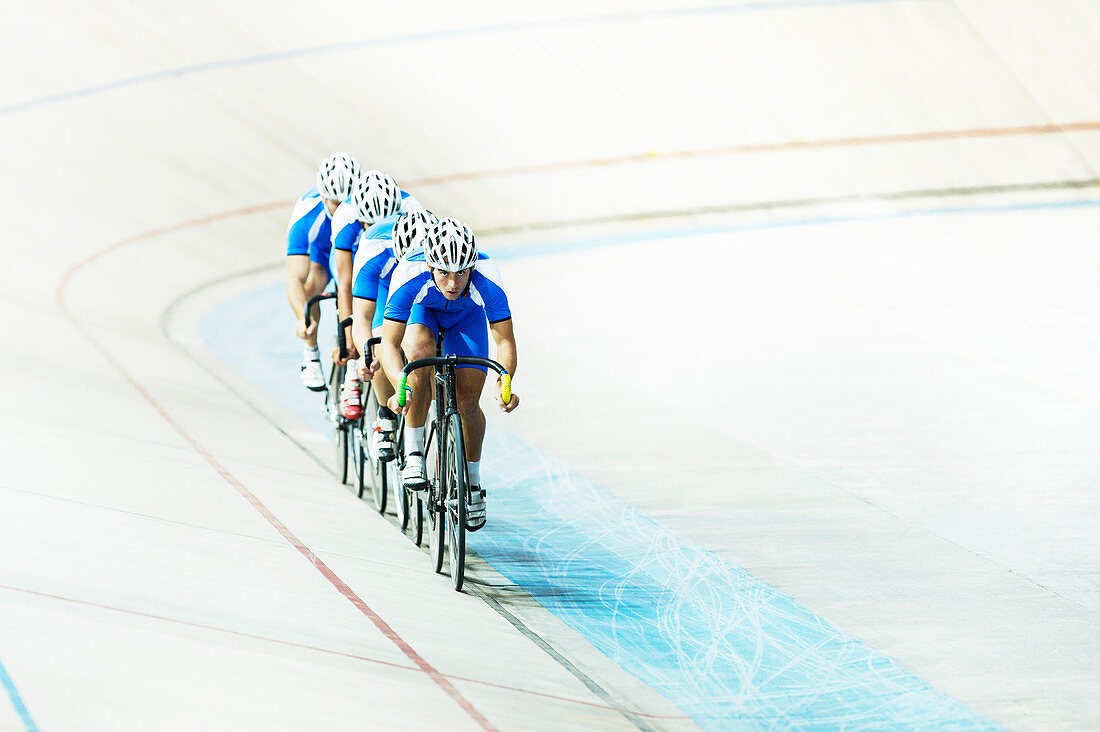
(359, 454)
(417, 520)
(377, 467)
(360, 459)
(339, 424)
(392, 471)
(342, 453)
(400, 496)
(458, 484)
(436, 489)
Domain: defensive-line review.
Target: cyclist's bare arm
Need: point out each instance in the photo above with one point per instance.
(344, 265)
(505, 340)
(363, 314)
(297, 270)
(390, 353)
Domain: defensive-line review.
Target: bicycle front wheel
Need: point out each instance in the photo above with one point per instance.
(458, 485)
(417, 520)
(360, 461)
(434, 498)
(392, 471)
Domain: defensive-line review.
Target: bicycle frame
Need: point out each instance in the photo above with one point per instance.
(441, 494)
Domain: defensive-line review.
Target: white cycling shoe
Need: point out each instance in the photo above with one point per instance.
(312, 376)
(413, 477)
(475, 510)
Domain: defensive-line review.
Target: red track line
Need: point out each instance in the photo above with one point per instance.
(329, 651)
(765, 147)
(229, 478)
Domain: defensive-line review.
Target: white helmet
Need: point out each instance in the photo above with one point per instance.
(337, 176)
(375, 196)
(412, 230)
(452, 247)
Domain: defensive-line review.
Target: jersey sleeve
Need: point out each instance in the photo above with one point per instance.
(300, 225)
(373, 261)
(490, 288)
(345, 227)
(409, 202)
(407, 281)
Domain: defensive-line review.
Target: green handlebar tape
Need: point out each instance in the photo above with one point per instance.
(401, 391)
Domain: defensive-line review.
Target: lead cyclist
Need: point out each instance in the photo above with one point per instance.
(455, 288)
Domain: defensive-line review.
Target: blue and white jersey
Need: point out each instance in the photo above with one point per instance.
(374, 261)
(412, 284)
(346, 225)
(308, 225)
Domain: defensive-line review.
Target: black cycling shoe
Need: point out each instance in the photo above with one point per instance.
(384, 427)
(386, 449)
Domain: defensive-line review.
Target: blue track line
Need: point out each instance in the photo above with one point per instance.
(16, 700)
(266, 58)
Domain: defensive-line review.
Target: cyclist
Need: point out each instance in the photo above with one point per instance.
(307, 233)
(375, 202)
(377, 256)
(454, 288)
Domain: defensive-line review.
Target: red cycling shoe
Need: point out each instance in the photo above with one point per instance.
(351, 396)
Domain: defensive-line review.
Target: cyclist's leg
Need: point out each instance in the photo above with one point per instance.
(383, 385)
(419, 342)
(318, 267)
(384, 421)
(315, 283)
(470, 382)
(470, 337)
(317, 279)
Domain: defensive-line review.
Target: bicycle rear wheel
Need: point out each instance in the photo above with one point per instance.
(376, 467)
(339, 424)
(458, 488)
(410, 509)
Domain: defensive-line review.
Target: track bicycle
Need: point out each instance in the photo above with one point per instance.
(341, 425)
(368, 466)
(449, 487)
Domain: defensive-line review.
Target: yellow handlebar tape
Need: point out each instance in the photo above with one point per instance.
(506, 387)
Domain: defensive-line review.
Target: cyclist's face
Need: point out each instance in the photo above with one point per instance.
(451, 284)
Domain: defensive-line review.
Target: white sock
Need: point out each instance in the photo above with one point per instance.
(311, 354)
(474, 470)
(352, 373)
(414, 440)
